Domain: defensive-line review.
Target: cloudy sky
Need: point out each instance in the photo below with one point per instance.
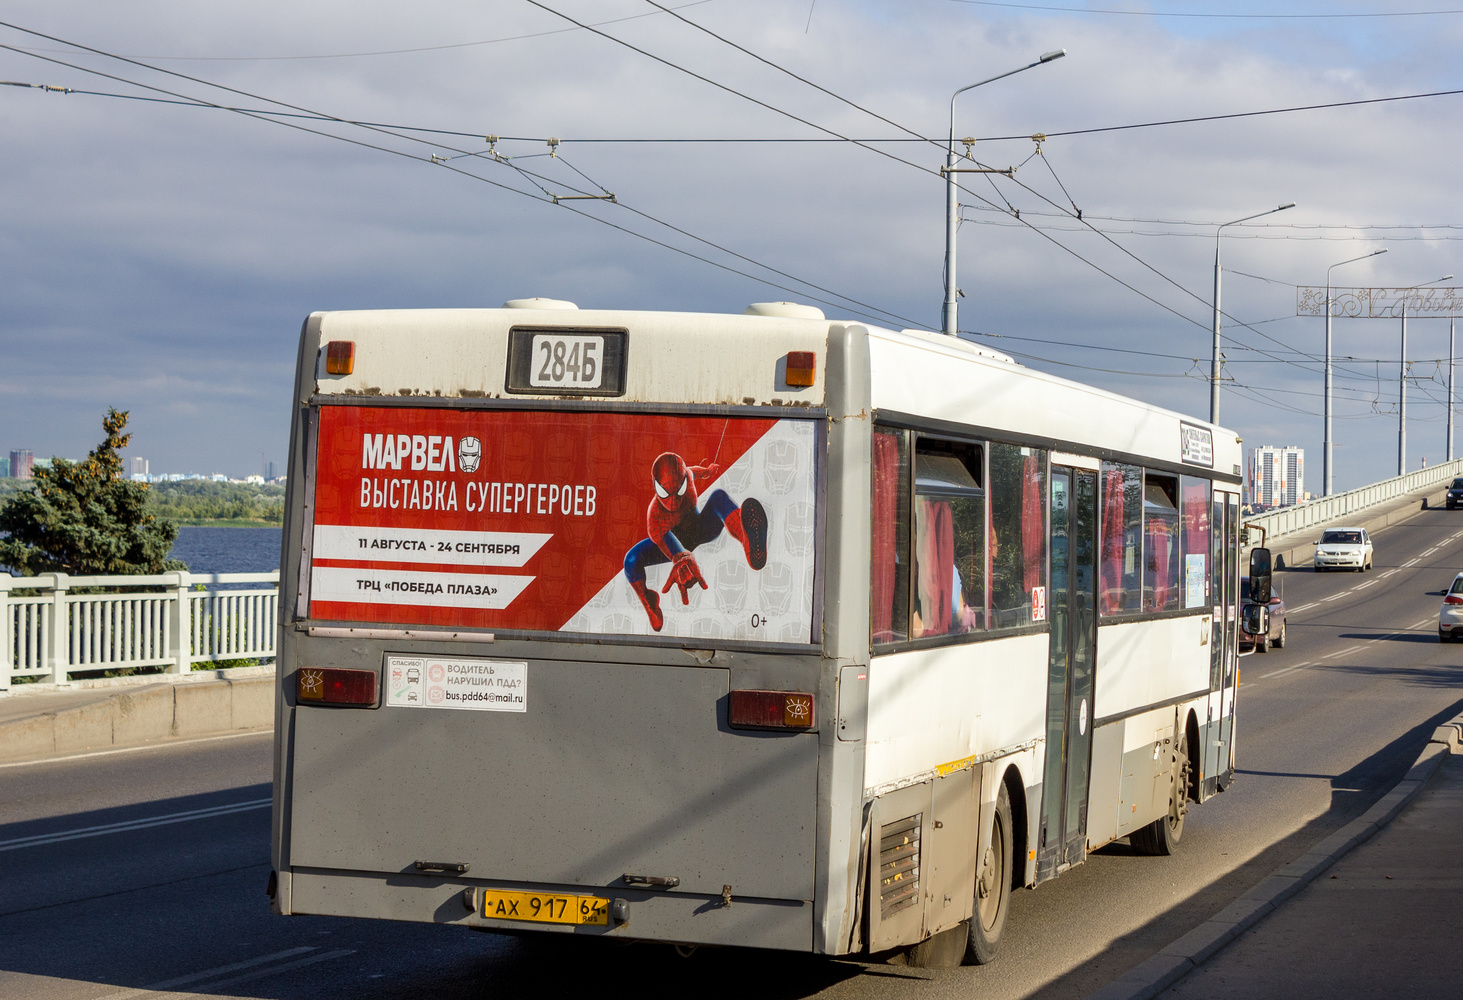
(160, 257)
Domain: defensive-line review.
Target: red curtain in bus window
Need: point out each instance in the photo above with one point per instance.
(1112, 542)
(935, 563)
(1033, 526)
(885, 535)
(1160, 546)
(1196, 517)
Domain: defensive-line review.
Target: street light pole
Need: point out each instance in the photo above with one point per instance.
(1402, 381)
(1214, 361)
(952, 204)
(1327, 468)
(1451, 397)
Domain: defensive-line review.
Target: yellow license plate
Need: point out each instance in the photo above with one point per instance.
(545, 908)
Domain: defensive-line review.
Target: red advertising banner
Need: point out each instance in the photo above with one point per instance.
(608, 523)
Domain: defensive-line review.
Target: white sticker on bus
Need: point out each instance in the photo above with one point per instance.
(439, 590)
(473, 684)
(424, 545)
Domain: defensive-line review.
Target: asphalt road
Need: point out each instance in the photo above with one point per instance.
(141, 874)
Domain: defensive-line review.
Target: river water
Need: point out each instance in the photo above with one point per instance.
(228, 550)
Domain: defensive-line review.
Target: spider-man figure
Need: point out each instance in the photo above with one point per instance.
(675, 526)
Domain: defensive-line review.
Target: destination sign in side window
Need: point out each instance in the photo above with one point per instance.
(611, 524)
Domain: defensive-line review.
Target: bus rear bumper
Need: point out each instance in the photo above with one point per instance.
(679, 917)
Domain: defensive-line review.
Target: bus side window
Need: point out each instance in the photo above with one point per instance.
(1160, 543)
(889, 570)
(1120, 577)
(1195, 515)
(949, 539)
(1018, 532)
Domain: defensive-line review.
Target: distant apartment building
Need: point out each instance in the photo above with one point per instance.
(21, 463)
(139, 469)
(1277, 476)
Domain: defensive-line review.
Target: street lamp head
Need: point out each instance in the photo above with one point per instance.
(1288, 204)
(1047, 57)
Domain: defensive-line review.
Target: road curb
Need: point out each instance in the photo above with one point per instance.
(142, 714)
(1154, 975)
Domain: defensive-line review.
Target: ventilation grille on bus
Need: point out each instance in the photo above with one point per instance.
(898, 865)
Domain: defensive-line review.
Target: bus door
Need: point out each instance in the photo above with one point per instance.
(1073, 610)
(1224, 588)
(1229, 682)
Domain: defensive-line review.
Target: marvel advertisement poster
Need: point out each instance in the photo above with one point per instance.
(689, 527)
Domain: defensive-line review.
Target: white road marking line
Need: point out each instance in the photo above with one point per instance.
(1333, 597)
(1411, 562)
(129, 825)
(1343, 652)
(1383, 576)
(1429, 552)
(1303, 607)
(1423, 624)
(1277, 673)
(1363, 586)
(222, 970)
(261, 973)
(148, 746)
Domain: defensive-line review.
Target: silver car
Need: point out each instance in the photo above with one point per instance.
(1450, 615)
(1344, 548)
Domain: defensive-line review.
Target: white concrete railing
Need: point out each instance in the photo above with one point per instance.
(49, 632)
(1328, 510)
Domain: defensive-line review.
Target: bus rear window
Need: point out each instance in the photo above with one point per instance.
(689, 527)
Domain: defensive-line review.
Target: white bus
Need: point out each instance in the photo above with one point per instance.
(761, 630)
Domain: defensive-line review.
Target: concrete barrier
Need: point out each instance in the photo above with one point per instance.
(138, 714)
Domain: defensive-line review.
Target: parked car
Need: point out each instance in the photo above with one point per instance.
(1455, 493)
(1276, 635)
(1344, 548)
(1450, 615)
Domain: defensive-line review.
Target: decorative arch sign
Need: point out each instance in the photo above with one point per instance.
(1379, 303)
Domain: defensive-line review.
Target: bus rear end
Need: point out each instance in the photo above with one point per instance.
(552, 655)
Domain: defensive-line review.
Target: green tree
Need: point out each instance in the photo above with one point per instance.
(86, 519)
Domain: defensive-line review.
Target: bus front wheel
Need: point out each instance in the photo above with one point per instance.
(1161, 837)
(992, 889)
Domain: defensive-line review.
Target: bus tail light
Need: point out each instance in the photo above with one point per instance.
(340, 357)
(770, 710)
(336, 686)
(800, 368)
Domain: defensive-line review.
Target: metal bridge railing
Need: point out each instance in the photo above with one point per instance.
(171, 620)
(1328, 510)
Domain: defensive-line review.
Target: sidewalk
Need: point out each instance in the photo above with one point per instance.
(42, 720)
(1370, 911)
(1383, 922)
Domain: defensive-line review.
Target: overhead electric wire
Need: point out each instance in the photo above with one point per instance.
(1202, 15)
(267, 116)
(395, 52)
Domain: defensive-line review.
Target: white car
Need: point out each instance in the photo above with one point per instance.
(1344, 548)
(1450, 615)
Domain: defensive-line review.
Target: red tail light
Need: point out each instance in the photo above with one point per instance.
(770, 710)
(336, 686)
(340, 357)
(800, 365)
(1453, 599)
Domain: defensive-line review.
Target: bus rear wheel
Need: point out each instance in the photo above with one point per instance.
(1161, 837)
(992, 889)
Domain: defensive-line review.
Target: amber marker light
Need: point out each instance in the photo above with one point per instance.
(336, 686)
(770, 710)
(340, 357)
(800, 368)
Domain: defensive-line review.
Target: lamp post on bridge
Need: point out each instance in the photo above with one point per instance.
(952, 204)
(1402, 380)
(1214, 361)
(1326, 467)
